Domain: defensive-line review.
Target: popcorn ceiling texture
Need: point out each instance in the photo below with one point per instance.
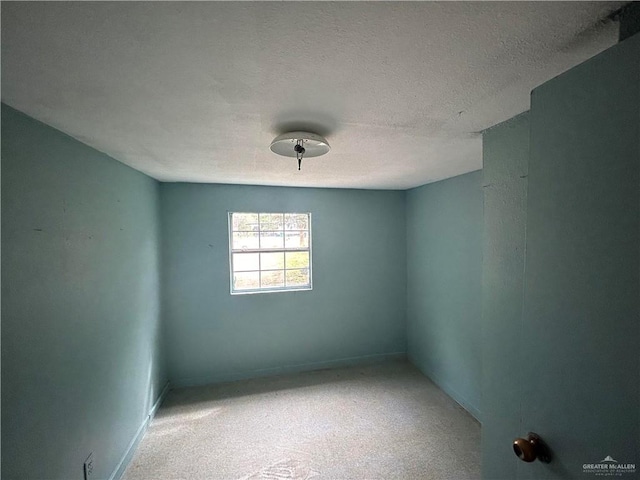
(196, 91)
(383, 421)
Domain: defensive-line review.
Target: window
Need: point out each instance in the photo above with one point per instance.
(269, 252)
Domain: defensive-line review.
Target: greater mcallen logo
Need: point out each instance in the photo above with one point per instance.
(608, 467)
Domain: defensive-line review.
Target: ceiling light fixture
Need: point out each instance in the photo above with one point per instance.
(300, 144)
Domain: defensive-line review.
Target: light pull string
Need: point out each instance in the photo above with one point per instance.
(299, 149)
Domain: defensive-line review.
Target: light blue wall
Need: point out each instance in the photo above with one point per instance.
(505, 151)
(356, 308)
(561, 280)
(81, 361)
(444, 268)
(581, 316)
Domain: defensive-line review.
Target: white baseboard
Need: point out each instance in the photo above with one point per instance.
(133, 444)
(302, 367)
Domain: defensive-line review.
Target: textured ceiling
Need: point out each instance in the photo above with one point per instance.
(196, 91)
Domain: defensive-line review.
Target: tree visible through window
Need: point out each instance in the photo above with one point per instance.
(270, 252)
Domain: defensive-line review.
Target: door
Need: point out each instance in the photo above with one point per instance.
(563, 360)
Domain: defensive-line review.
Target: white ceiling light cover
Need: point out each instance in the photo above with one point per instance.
(314, 145)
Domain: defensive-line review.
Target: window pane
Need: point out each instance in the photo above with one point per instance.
(297, 260)
(245, 221)
(271, 239)
(270, 251)
(296, 221)
(271, 221)
(272, 279)
(297, 277)
(245, 240)
(245, 261)
(296, 239)
(246, 280)
(272, 261)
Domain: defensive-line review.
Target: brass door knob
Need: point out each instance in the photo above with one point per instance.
(531, 448)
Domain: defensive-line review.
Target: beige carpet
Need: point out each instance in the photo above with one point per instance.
(384, 421)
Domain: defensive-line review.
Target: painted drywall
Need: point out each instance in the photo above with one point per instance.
(444, 268)
(506, 163)
(561, 276)
(81, 359)
(629, 20)
(582, 275)
(356, 309)
(396, 86)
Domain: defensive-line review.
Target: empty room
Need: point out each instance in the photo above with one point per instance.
(320, 240)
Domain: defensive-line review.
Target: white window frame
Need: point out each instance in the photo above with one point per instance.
(297, 288)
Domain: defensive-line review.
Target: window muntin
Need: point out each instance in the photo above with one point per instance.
(269, 252)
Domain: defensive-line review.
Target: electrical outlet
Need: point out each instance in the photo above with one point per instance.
(88, 467)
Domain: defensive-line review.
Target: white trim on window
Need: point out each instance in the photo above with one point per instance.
(253, 252)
